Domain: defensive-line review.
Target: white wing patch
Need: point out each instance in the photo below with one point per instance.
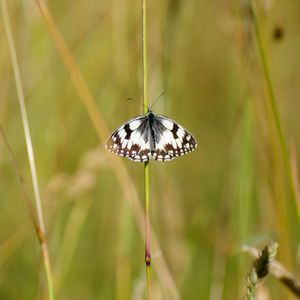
(134, 124)
(168, 124)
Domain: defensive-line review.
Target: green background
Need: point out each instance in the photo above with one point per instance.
(233, 190)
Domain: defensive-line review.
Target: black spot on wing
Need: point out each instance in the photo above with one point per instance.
(127, 130)
(174, 130)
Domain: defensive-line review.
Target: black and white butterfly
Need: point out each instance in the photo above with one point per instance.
(151, 136)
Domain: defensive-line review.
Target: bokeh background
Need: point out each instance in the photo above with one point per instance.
(234, 189)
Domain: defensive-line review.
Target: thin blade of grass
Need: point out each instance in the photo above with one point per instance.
(12, 244)
(71, 239)
(294, 168)
(274, 109)
(146, 164)
(41, 232)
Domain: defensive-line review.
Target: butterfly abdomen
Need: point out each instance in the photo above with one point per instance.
(151, 118)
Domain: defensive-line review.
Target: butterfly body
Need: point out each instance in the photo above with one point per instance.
(151, 136)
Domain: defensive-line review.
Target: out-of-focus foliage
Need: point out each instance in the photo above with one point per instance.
(232, 190)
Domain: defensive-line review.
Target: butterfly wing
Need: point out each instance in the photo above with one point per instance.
(171, 139)
(132, 140)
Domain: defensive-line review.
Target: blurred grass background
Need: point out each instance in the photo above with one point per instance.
(233, 189)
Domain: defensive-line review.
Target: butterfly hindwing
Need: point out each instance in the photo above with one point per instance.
(171, 139)
(131, 140)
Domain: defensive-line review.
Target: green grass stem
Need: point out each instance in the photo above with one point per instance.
(146, 164)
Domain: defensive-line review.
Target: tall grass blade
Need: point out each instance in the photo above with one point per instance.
(146, 164)
(41, 226)
(273, 105)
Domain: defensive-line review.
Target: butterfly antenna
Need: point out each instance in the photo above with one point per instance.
(141, 103)
(156, 100)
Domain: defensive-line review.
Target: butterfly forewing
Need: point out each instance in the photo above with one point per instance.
(171, 139)
(131, 140)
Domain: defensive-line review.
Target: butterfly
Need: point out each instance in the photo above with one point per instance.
(151, 136)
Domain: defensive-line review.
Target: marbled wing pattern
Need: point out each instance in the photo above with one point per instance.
(131, 140)
(171, 139)
(150, 136)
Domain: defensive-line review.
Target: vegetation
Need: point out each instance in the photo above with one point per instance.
(72, 224)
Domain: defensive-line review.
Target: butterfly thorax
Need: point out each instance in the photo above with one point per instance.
(151, 118)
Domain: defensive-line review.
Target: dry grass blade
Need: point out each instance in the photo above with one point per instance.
(40, 226)
(74, 72)
(119, 168)
(20, 178)
(12, 244)
(294, 168)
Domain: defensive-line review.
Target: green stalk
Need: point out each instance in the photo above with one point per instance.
(146, 164)
(145, 60)
(147, 227)
(272, 98)
(40, 226)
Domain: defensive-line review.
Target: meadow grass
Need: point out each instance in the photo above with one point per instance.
(225, 78)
